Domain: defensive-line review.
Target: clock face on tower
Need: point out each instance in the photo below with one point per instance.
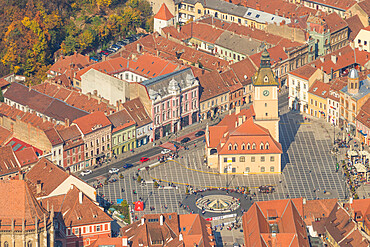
(266, 93)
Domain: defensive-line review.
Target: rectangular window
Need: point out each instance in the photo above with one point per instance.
(225, 160)
(272, 158)
(233, 159)
(77, 231)
(98, 228)
(262, 158)
(253, 159)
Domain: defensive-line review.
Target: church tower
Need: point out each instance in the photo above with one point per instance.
(266, 97)
(353, 81)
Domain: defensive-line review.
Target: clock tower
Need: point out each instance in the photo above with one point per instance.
(265, 101)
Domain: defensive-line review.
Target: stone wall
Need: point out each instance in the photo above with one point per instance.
(294, 34)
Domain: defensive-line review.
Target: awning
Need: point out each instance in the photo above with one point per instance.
(362, 133)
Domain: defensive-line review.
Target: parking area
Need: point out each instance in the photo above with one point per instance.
(309, 171)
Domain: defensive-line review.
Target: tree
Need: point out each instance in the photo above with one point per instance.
(139, 179)
(1, 96)
(156, 185)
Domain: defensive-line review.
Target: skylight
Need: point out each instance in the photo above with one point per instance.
(257, 15)
(249, 13)
(323, 92)
(315, 89)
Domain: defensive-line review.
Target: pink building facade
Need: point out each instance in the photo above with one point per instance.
(175, 102)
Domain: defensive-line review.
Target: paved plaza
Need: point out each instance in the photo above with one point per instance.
(308, 171)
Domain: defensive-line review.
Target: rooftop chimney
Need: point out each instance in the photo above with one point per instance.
(180, 237)
(124, 241)
(161, 220)
(80, 197)
(142, 220)
(38, 187)
(304, 201)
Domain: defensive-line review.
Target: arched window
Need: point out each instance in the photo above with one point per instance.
(6, 244)
(254, 146)
(235, 146)
(241, 159)
(248, 146)
(263, 169)
(267, 146)
(243, 146)
(261, 146)
(247, 169)
(29, 243)
(272, 168)
(230, 146)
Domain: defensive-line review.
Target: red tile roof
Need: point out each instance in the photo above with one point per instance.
(334, 22)
(8, 161)
(146, 65)
(53, 136)
(137, 111)
(239, 129)
(304, 72)
(193, 228)
(287, 223)
(18, 145)
(344, 58)
(343, 4)
(19, 204)
(87, 123)
(49, 175)
(277, 54)
(26, 156)
(211, 85)
(69, 64)
(163, 13)
(201, 31)
(74, 212)
(365, 6)
(121, 120)
(355, 25)
(364, 117)
(244, 70)
(5, 135)
(320, 89)
(3, 83)
(156, 44)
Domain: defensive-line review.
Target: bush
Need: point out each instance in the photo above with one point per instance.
(139, 179)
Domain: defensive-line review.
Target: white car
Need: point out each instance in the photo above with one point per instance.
(113, 170)
(86, 172)
(165, 151)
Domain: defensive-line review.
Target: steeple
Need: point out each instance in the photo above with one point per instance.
(353, 81)
(265, 76)
(265, 59)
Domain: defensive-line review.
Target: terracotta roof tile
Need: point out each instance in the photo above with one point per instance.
(355, 25)
(3, 83)
(365, 6)
(304, 72)
(26, 156)
(344, 57)
(320, 89)
(201, 31)
(19, 204)
(8, 161)
(277, 54)
(137, 111)
(69, 64)
(212, 85)
(121, 120)
(77, 213)
(47, 174)
(364, 116)
(163, 13)
(88, 122)
(5, 135)
(334, 22)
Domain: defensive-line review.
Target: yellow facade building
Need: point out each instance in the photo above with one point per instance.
(317, 99)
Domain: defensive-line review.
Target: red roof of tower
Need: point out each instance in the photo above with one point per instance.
(164, 13)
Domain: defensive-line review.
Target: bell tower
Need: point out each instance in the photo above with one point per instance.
(353, 81)
(266, 97)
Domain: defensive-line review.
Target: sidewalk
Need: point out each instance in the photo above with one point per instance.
(187, 130)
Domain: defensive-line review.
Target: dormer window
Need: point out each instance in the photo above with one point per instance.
(230, 147)
(243, 146)
(266, 79)
(248, 146)
(235, 146)
(261, 146)
(267, 146)
(254, 146)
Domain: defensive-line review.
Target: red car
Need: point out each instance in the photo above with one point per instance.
(143, 159)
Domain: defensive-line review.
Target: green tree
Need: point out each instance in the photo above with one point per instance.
(139, 179)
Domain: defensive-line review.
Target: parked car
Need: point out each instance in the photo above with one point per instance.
(111, 50)
(143, 159)
(86, 172)
(185, 140)
(121, 43)
(116, 46)
(113, 170)
(199, 133)
(165, 151)
(96, 59)
(127, 166)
